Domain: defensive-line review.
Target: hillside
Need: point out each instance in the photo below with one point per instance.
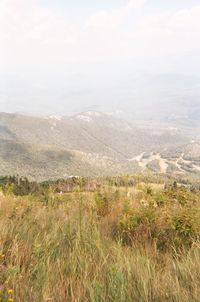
(40, 161)
(88, 143)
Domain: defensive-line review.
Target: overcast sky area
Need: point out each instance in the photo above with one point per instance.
(65, 56)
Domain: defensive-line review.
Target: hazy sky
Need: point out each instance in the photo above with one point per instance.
(71, 43)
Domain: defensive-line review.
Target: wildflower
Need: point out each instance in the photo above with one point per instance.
(10, 291)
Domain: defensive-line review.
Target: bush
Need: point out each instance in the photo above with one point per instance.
(136, 226)
(102, 204)
(185, 226)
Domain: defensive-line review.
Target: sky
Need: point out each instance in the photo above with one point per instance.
(59, 56)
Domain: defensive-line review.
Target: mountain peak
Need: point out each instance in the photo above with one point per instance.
(88, 116)
(54, 117)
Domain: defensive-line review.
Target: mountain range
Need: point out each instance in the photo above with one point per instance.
(167, 98)
(92, 143)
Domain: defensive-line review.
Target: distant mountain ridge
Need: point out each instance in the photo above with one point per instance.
(169, 98)
(88, 143)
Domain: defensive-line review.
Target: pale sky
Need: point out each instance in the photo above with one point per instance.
(97, 40)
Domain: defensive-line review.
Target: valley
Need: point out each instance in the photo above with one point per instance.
(91, 144)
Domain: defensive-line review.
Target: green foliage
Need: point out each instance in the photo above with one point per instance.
(136, 225)
(148, 190)
(102, 204)
(21, 186)
(185, 224)
(159, 199)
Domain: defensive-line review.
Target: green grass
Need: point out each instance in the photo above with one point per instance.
(101, 246)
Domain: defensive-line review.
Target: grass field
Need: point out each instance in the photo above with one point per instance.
(115, 244)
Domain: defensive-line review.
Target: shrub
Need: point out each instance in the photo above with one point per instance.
(136, 226)
(185, 226)
(102, 204)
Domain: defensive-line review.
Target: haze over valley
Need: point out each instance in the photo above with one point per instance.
(94, 143)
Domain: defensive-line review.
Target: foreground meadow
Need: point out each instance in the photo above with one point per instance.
(138, 243)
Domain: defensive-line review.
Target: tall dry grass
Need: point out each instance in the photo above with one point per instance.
(68, 250)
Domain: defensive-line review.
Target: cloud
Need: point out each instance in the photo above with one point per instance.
(31, 34)
(136, 3)
(168, 33)
(111, 20)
